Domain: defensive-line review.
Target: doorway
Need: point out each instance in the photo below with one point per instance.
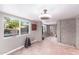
(49, 30)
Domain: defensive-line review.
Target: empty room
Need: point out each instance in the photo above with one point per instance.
(39, 29)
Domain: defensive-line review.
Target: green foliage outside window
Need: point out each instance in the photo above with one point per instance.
(11, 24)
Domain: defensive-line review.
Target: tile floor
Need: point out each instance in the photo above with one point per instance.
(49, 46)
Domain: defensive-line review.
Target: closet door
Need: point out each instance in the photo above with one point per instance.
(68, 31)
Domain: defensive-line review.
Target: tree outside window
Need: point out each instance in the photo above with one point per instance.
(11, 26)
(14, 26)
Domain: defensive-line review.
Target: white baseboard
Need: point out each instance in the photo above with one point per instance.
(17, 48)
(13, 50)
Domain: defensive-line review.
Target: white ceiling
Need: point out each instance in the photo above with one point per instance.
(33, 11)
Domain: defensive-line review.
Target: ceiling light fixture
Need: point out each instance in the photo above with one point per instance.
(44, 15)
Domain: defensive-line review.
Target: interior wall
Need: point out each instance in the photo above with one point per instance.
(1, 35)
(58, 31)
(77, 32)
(36, 35)
(9, 43)
(13, 42)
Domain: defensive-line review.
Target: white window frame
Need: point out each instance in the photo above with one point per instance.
(19, 18)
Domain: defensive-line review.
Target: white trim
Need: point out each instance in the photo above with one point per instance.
(34, 41)
(13, 50)
(17, 48)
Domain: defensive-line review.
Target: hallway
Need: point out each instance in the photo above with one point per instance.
(47, 47)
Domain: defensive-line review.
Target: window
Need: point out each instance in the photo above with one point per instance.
(13, 26)
(24, 26)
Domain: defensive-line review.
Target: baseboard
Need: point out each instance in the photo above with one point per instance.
(17, 48)
(34, 41)
(13, 50)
